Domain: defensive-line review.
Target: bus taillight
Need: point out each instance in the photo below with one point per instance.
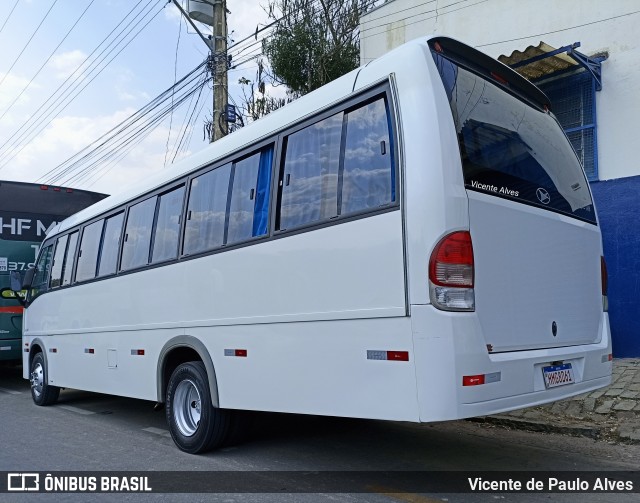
(604, 279)
(451, 273)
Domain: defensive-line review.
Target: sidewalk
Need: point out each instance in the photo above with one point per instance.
(611, 414)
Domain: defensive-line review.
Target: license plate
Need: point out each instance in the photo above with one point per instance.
(558, 375)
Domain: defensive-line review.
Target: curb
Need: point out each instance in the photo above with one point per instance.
(593, 432)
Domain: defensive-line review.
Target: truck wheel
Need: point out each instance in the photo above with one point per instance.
(195, 425)
(41, 392)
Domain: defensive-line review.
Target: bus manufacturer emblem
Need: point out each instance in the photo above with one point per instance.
(543, 195)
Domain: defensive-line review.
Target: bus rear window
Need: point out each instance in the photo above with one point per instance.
(512, 150)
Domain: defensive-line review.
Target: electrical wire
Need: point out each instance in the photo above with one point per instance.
(175, 77)
(103, 140)
(45, 63)
(9, 16)
(8, 155)
(28, 42)
(125, 132)
(37, 119)
(135, 136)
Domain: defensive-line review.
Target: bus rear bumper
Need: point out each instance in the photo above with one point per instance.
(458, 378)
(536, 398)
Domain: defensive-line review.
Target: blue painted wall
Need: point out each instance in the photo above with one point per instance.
(618, 205)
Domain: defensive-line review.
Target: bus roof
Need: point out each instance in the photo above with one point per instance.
(22, 197)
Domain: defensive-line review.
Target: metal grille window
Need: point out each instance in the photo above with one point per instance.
(574, 104)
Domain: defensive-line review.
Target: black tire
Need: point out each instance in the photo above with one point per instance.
(240, 426)
(194, 429)
(41, 392)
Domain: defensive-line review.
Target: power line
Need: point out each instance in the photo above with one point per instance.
(116, 130)
(45, 63)
(185, 125)
(133, 123)
(28, 42)
(175, 77)
(9, 16)
(61, 106)
(116, 149)
(564, 29)
(36, 119)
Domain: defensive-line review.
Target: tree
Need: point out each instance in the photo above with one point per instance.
(256, 102)
(314, 41)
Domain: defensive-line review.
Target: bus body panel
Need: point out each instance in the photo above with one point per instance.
(353, 270)
(268, 299)
(535, 271)
(306, 368)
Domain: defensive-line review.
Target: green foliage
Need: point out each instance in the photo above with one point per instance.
(315, 41)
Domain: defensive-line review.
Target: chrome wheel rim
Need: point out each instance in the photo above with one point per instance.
(37, 379)
(186, 407)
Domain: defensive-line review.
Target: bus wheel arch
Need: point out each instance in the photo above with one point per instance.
(179, 350)
(42, 392)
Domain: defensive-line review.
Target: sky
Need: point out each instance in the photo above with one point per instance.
(39, 129)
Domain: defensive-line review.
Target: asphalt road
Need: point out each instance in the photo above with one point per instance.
(93, 432)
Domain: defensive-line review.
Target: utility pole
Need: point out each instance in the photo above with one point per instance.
(220, 66)
(214, 14)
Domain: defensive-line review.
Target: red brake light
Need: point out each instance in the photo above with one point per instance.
(451, 262)
(604, 277)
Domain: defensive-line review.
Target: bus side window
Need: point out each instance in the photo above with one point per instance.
(167, 231)
(43, 268)
(88, 256)
(58, 262)
(310, 173)
(206, 211)
(249, 204)
(137, 234)
(110, 245)
(69, 258)
(367, 176)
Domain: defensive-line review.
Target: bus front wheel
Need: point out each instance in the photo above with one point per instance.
(41, 392)
(195, 425)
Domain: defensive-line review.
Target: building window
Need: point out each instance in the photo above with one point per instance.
(573, 101)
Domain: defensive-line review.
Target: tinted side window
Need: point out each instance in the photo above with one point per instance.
(43, 268)
(69, 259)
(249, 204)
(310, 175)
(58, 262)
(137, 238)
(88, 256)
(110, 245)
(368, 175)
(206, 211)
(167, 232)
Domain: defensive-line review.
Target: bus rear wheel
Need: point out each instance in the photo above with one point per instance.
(195, 425)
(41, 392)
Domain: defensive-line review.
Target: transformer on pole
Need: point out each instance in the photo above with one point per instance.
(214, 14)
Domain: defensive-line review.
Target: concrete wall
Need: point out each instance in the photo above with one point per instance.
(502, 26)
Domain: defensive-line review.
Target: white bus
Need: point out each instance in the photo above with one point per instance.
(415, 241)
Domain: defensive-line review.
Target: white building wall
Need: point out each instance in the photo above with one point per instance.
(501, 26)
